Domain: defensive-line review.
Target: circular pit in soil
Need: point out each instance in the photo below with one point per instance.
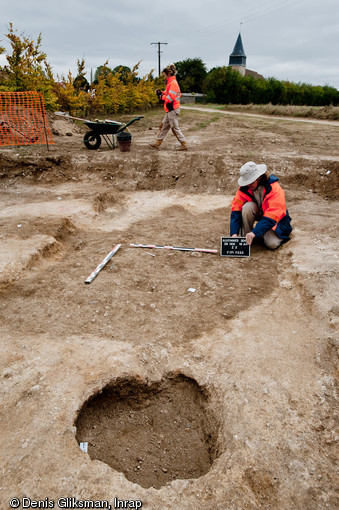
(151, 432)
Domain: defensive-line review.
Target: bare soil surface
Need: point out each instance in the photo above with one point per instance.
(198, 381)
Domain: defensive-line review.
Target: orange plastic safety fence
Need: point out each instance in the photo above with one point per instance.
(23, 119)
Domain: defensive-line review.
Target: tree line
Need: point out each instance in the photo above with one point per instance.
(225, 85)
(120, 89)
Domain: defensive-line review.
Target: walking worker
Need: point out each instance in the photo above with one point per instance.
(260, 198)
(171, 98)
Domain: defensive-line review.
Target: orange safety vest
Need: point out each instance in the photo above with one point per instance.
(273, 205)
(171, 94)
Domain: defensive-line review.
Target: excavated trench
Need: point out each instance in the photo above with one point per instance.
(249, 329)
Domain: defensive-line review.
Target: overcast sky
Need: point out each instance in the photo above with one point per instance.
(295, 40)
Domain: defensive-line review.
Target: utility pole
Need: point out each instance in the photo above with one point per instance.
(159, 52)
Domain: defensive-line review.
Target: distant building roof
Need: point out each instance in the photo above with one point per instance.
(256, 75)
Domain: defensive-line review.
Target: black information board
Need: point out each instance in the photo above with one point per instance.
(234, 247)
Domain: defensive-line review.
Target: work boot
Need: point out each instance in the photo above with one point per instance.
(156, 144)
(183, 147)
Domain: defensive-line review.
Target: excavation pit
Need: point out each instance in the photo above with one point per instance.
(153, 433)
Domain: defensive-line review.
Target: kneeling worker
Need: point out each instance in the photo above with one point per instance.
(260, 198)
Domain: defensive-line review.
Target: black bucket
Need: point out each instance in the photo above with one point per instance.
(124, 140)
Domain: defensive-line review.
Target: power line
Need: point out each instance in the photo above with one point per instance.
(230, 21)
(159, 53)
(250, 14)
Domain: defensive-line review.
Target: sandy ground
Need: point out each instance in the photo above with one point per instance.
(221, 398)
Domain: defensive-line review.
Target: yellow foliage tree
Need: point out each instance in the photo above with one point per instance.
(69, 99)
(27, 67)
(116, 92)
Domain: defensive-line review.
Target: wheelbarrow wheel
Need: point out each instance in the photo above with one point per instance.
(92, 140)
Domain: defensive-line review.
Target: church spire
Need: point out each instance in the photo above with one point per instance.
(238, 57)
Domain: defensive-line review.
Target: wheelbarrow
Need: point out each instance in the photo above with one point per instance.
(107, 129)
(92, 139)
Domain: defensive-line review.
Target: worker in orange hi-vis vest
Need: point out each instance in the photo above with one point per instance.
(260, 199)
(171, 98)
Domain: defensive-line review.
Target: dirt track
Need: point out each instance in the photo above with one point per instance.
(262, 116)
(225, 397)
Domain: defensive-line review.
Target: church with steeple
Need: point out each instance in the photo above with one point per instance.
(238, 60)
